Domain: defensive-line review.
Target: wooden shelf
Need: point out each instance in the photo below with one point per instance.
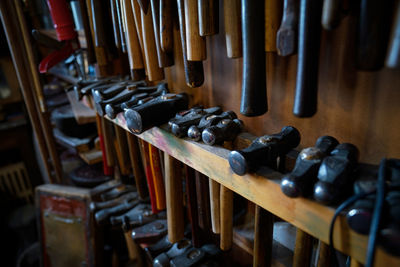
(264, 190)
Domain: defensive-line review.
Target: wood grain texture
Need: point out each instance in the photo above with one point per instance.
(303, 249)
(263, 237)
(174, 199)
(195, 44)
(273, 14)
(233, 28)
(324, 256)
(137, 167)
(226, 225)
(166, 26)
(214, 205)
(158, 180)
(124, 162)
(133, 45)
(165, 59)
(208, 17)
(194, 74)
(154, 72)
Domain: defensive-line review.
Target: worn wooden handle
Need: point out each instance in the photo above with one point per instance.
(154, 72)
(305, 100)
(208, 12)
(108, 141)
(122, 148)
(192, 206)
(158, 180)
(303, 249)
(226, 209)
(133, 45)
(137, 15)
(87, 31)
(174, 199)
(194, 73)
(263, 237)
(166, 23)
(273, 14)
(324, 256)
(254, 87)
(214, 205)
(195, 44)
(331, 14)
(164, 59)
(286, 39)
(144, 152)
(138, 173)
(233, 28)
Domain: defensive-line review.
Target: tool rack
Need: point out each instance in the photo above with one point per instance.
(263, 189)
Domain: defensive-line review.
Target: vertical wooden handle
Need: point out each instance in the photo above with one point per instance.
(158, 180)
(263, 237)
(273, 13)
(305, 100)
(233, 28)
(192, 206)
(194, 73)
(286, 39)
(393, 56)
(331, 14)
(123, 150)
(164, 59)
(324, 256)
(87, 31)
(214, 205)
(154, 72)
(144, 151)
(174, 198)
(226, 209)
(195, 44)
(254, 86)
(208, 17)
(130, 245)
(138, 174)
(166, 30)
(137, 15)
(303, 249)
(134, 51)
(108, 141)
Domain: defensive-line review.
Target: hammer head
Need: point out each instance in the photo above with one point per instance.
(264, 151)
(225, 130)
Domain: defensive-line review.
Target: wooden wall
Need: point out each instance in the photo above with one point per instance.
(358, 107)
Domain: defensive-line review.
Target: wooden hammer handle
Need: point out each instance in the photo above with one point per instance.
(208, 17)
(254, 87)
(154, 72)
(166, 23)
(164, 59)
(195, 44)
(286, 40)
(133, 45)
(194, 73)
(305, 101)
(303, 249)
(273, 13)
(174, 199)
(214, 205)
(158, 180)
(226, 209)
(233, 28)
(263, 237)
(138, 173)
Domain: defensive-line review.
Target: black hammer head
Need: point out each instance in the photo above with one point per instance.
(264, 151)
(225, 130)
(301, 180)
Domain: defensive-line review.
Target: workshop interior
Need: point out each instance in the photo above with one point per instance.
(200, 133)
